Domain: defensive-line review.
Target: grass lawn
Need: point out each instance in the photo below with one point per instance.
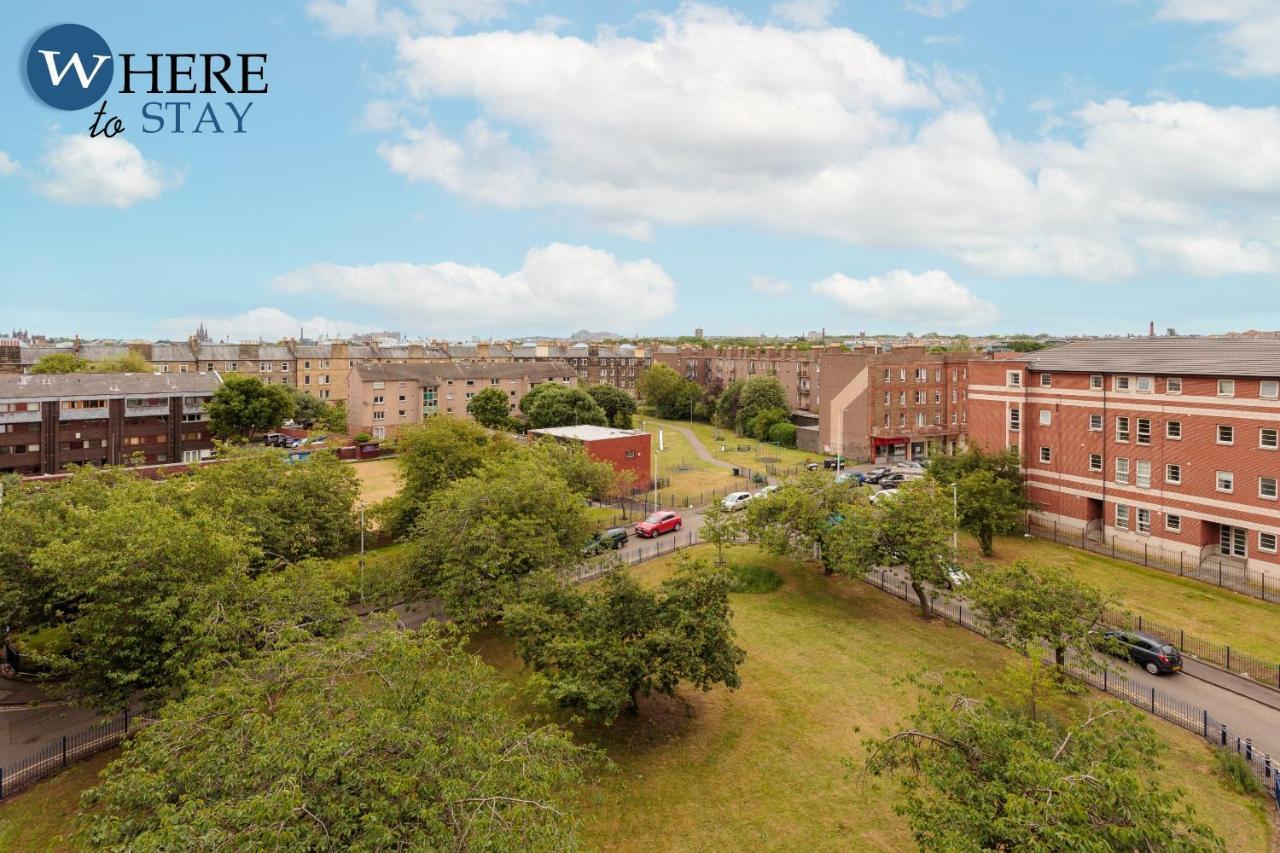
(706, 433)
(1206, 611)
(39, 819)
(764, 767)
(690, 474)
(379, 479)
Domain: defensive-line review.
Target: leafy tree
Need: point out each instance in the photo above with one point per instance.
(990, 494)
(584, 475)
(245, 404)
(976, 774)
(310, 409)
(335, 418)
(130, 362)
(60, 362)
(527, 401)
(801, 517)
(477, 539)
(783, 434)
(912, 528)
(720, 527)
(380, 740)
(758, 394)
(565, 406)
(1025, 345)
(766, 420)
(727, 404)
(598, 651)
(670, 394)
(618, 405)
(491, 408)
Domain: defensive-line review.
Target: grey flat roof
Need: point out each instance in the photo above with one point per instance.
(586, 432)
(434, 372)
(1174, 356)
(58, 386)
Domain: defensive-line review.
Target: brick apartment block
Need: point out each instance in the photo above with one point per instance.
(624, 449)
(1169, 441)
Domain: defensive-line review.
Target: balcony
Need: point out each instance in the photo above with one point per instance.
(143, 411)
(83, 414)
(20, 417)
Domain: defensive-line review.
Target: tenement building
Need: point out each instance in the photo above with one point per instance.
(49, 421)
(382, 398)
(1162, 441)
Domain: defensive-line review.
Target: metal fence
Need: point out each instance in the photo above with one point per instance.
(1215, 654)
(1149, 699)
(59, 753)
(1212, 570)
(657, 547)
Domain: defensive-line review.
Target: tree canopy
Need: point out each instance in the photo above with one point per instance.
(801, 516)
(243, 405)
(618, 405)
(380, 740)
(757, 395)
(669, 393)
(599, 651)
(68, 362)
(561, 405)
(491, 408)
(990, 493)
(311, 409)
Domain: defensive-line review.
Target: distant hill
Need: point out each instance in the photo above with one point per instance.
(584, 335)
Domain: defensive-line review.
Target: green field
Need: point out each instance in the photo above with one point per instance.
(1247, 624)
(691, 476)
(753, 458)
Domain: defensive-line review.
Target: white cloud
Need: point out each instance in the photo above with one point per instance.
(770, 286)
(935, 8)
(803, 13)
(1247, 31)
(268, 324)
(908, 299)
(382, 17)
(713, 119)
(950, 38)
(558, 286)
(111, 172)
(8, 165)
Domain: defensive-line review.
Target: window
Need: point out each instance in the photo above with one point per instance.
(1015, 419)
(378, 399)
(902, 398)
(920, 419)
(1144, 521)
(1013, 378)
(1046, 380)
(1267, 542)
(1095, 382)
(922, 374)
(919, 398)
(1173, 523)
(1173, 385)
(1226, 434)
(1122, 429)
(1142, 474)
(1122, 516)
(264, 367)
(1269, 389)
(1095, 423)
(1144, 430)
(888, 374)
(1226, 481)
(1267, 438)
(379, 432)
(378, 386)
(1095, 461)
(1232, 541)
(1122, 469)
(1046, 417)
(1145, 384)
(1173, 474)
(1173, 429)
(1046, 454)
(1121, 383)
(379, 416)
(902, 374)
(1267, 488)
(1226, 387)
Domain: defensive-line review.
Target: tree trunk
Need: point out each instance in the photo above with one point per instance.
(926, 610)
(633, 704)
(719, 552)
(1060, 656)
(985, 536)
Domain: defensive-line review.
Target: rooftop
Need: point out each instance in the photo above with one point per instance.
(1190, 356)
(586, 432)
(57, 386)
(434, 373)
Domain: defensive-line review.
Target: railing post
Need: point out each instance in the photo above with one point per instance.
(1, 783)
(1224, 734)
(1248, 749)
(1139, 621)
(1104, 682)
(1205, 715)
(64, 750)
(126, 721)
(1153, 700)
(1182, 640)
(1228, 658)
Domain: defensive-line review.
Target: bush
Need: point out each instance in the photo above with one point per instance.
(362, 437)
(1235, 771)
(749, 578)
(783, 435)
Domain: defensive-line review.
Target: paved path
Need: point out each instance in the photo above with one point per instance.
(701, 449)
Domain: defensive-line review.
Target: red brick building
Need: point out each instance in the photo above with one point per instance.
(624, 449)
(1159, 441)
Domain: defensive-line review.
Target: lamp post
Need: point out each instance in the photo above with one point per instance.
(362, 552)
(955, 522)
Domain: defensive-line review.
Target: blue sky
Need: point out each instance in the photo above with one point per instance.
(459, 168)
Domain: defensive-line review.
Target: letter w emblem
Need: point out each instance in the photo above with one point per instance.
(56, 76)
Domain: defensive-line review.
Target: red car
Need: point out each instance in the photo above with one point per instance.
(657, 524)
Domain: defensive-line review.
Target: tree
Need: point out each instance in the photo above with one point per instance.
(783, 434)
(586, 476)
(478, 538)
(727, 404)
(565, 406)
(720, 527)
(912, 529)
(618, 405)
(335, 418)
(801, 516)
(131, 362)
(245, 404)
(766, 420)
(312, 410)
(758, 394)
(380, 740)
(60, 362)
(491, 408)
(990, 494)
(977, 774)
(599, 651)
(669, 393)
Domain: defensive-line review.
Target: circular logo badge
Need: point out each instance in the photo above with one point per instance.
(70, 67)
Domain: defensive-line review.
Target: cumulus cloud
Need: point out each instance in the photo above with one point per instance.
(8, 165)
(935, 8)
(770, 286)
(383, 17)
(928, 298)
(268, 324)
(102, 172)
(803, 13)
(1247, 31)
(557, 286)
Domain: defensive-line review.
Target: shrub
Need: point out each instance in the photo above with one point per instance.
(750, 578)
(1235, 771)
(783, 434)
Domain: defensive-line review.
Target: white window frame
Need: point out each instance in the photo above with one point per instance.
(1015, 419)
(1138, 434)
(1122, 470)
(1046, 380)
(1230, 432)
(1173, 386)
(1170, 469)
(1262, 542)
(1013, 378)
(1095, 423)
(1226, 387)
(1095, 382)
(1046, 417)
(1275, 438)
(1262, 488)
(1173, 522)
(1092, 457)
(1142, 523)
(1122, 383)
(1168, 432)
(1142, 473)
(1127, 431)
(1046, 454)
(1219, 477)
(1148, 381)
(1122, 516)
(1269, 389)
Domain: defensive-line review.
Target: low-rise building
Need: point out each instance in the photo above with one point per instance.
(624, 449)
(384, 398)
(49, 421)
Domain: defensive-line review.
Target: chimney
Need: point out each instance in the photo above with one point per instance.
(1151, 330)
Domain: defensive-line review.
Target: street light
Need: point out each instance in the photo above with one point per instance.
(955, 523)
(362, 552)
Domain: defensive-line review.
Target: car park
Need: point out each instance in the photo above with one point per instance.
(1147, 651)
(735, 501)
(606, 540)
(657, 524)
(874, 475)
(846, 475)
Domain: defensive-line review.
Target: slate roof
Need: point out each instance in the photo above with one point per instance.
(1165, 356)
(60, 386)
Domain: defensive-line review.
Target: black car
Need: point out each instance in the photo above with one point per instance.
(1151, 653)
(874, 475)
(834, 462)
(611, 539)
(893, 479)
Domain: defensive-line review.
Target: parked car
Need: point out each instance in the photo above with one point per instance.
(658, 524)
(845, 476)
(735, 501)
(607, 540)
(764, 493)
(1151, 653)
(956, 577)
(874, 475)
(834, 462)
(911, 463)
(882, 494)
(274, 439)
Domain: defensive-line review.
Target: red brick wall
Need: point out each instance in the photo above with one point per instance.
(615, 451)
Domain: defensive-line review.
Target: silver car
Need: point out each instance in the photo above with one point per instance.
(735, 501)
